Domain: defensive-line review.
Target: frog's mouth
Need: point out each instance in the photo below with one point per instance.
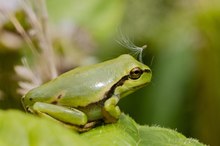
(140, 86)
(135, 88)
(132, 89)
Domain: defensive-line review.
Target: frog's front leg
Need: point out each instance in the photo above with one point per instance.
(66, 115)
(112, 111)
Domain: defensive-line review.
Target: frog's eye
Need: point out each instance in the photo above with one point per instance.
(135, 73)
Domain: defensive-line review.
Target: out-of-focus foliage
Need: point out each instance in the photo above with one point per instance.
(183, 52)
(100, 17)
(207, 114)
(29, 130)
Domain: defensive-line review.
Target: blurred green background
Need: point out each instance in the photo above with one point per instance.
(183, 39)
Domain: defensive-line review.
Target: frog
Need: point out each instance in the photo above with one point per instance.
(84, 96)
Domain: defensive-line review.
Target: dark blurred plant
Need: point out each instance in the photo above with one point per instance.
(207, 115)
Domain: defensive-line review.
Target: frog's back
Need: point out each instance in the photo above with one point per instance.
(83, 85)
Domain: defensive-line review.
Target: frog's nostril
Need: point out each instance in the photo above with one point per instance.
(147, 70)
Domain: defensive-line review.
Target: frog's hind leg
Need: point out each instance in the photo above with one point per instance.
(70, 116)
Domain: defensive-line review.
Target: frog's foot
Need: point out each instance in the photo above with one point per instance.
(111, 111)
(70, 116)
(83, 128)
(89, 126)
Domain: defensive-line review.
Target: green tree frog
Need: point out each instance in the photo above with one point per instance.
(86, 95)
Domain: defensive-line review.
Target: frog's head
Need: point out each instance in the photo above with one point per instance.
(136, 76)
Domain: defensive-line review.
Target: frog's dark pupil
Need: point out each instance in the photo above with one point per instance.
(136, 71)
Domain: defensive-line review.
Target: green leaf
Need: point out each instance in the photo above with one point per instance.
(17, 128)
(127, 132)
